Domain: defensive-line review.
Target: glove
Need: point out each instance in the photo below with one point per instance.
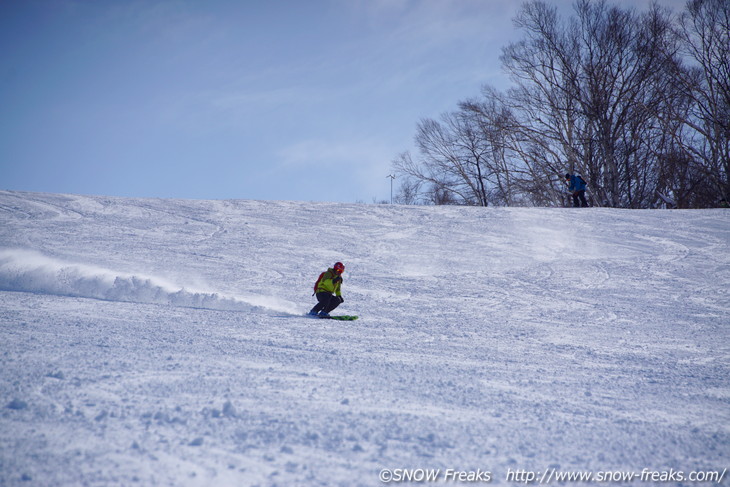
(342, 300)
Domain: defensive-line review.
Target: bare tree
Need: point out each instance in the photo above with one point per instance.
(453, 160)
(589, 92)
(546, 129)
(512, 174)
(705, 30)
(409, 190)
(606, 94)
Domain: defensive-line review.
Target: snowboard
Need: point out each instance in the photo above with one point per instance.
(335, 317)
(339, 317)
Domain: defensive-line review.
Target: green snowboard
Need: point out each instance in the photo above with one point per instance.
(340, 317)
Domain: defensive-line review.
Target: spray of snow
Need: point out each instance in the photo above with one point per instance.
(29, 271)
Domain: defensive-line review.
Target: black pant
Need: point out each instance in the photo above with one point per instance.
(326, 302)
(582, 196)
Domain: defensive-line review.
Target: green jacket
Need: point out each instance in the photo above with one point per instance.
(330, 283)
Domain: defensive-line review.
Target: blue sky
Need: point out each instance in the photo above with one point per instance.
(254, 99)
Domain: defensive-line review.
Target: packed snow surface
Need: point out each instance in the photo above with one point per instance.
(162, 342)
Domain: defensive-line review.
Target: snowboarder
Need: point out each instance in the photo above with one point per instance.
(577, 188)
(328, 291)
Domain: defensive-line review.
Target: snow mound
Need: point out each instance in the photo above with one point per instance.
(29, 271)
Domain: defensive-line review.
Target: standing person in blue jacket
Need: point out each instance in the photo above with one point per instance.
(577, 188)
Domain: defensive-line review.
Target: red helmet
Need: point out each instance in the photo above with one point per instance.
(339, 267)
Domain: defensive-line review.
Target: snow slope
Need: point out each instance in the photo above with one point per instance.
(161, 342)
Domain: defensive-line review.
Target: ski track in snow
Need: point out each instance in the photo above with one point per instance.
(159, 342)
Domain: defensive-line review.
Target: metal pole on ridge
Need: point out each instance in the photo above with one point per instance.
(392, 177)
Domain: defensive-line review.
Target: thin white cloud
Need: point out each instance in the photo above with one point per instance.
(367, 160)
(320, 152)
